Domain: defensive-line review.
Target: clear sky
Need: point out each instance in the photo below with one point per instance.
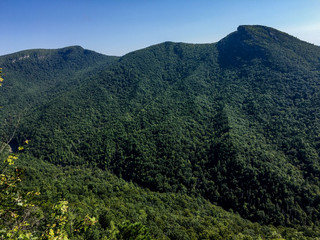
(116, 27)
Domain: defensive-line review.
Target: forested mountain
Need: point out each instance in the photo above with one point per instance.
(233, 123)
(35, 76)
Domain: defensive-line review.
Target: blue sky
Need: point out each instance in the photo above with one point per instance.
(116, 27)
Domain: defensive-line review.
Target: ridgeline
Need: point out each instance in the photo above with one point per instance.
(165, 134)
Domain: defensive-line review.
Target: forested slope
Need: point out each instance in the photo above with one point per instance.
(116, 203)
(235, 122)
(35, 76)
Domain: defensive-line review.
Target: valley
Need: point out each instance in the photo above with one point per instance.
(173, 141)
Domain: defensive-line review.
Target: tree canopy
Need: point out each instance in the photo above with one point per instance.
(233, 124)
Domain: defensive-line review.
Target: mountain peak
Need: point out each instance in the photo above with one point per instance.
(259, 32)
(265, 44)
(255, 27)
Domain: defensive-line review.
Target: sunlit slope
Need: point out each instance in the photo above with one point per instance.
(235, 121)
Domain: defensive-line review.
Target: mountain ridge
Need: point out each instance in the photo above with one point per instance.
(235, 122)
(32, 74)
(52, 50)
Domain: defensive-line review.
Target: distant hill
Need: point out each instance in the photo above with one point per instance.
(235, 122)
(34, 74)
(32, 77)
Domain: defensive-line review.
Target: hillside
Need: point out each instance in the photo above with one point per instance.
(35, 76)
(234, 122)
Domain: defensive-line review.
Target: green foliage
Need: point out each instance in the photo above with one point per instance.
(235, 123)
(33, 77)
(18, 214)
(135, 231)
(1, 79)
(23, 217)
(123, 209)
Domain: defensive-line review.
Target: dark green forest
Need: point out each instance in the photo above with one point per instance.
(174, 141)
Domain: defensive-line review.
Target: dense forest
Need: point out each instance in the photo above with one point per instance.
(174, 141)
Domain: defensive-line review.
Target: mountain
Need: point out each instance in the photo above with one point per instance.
(35, 76)
(234, 122)
(48, 71)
